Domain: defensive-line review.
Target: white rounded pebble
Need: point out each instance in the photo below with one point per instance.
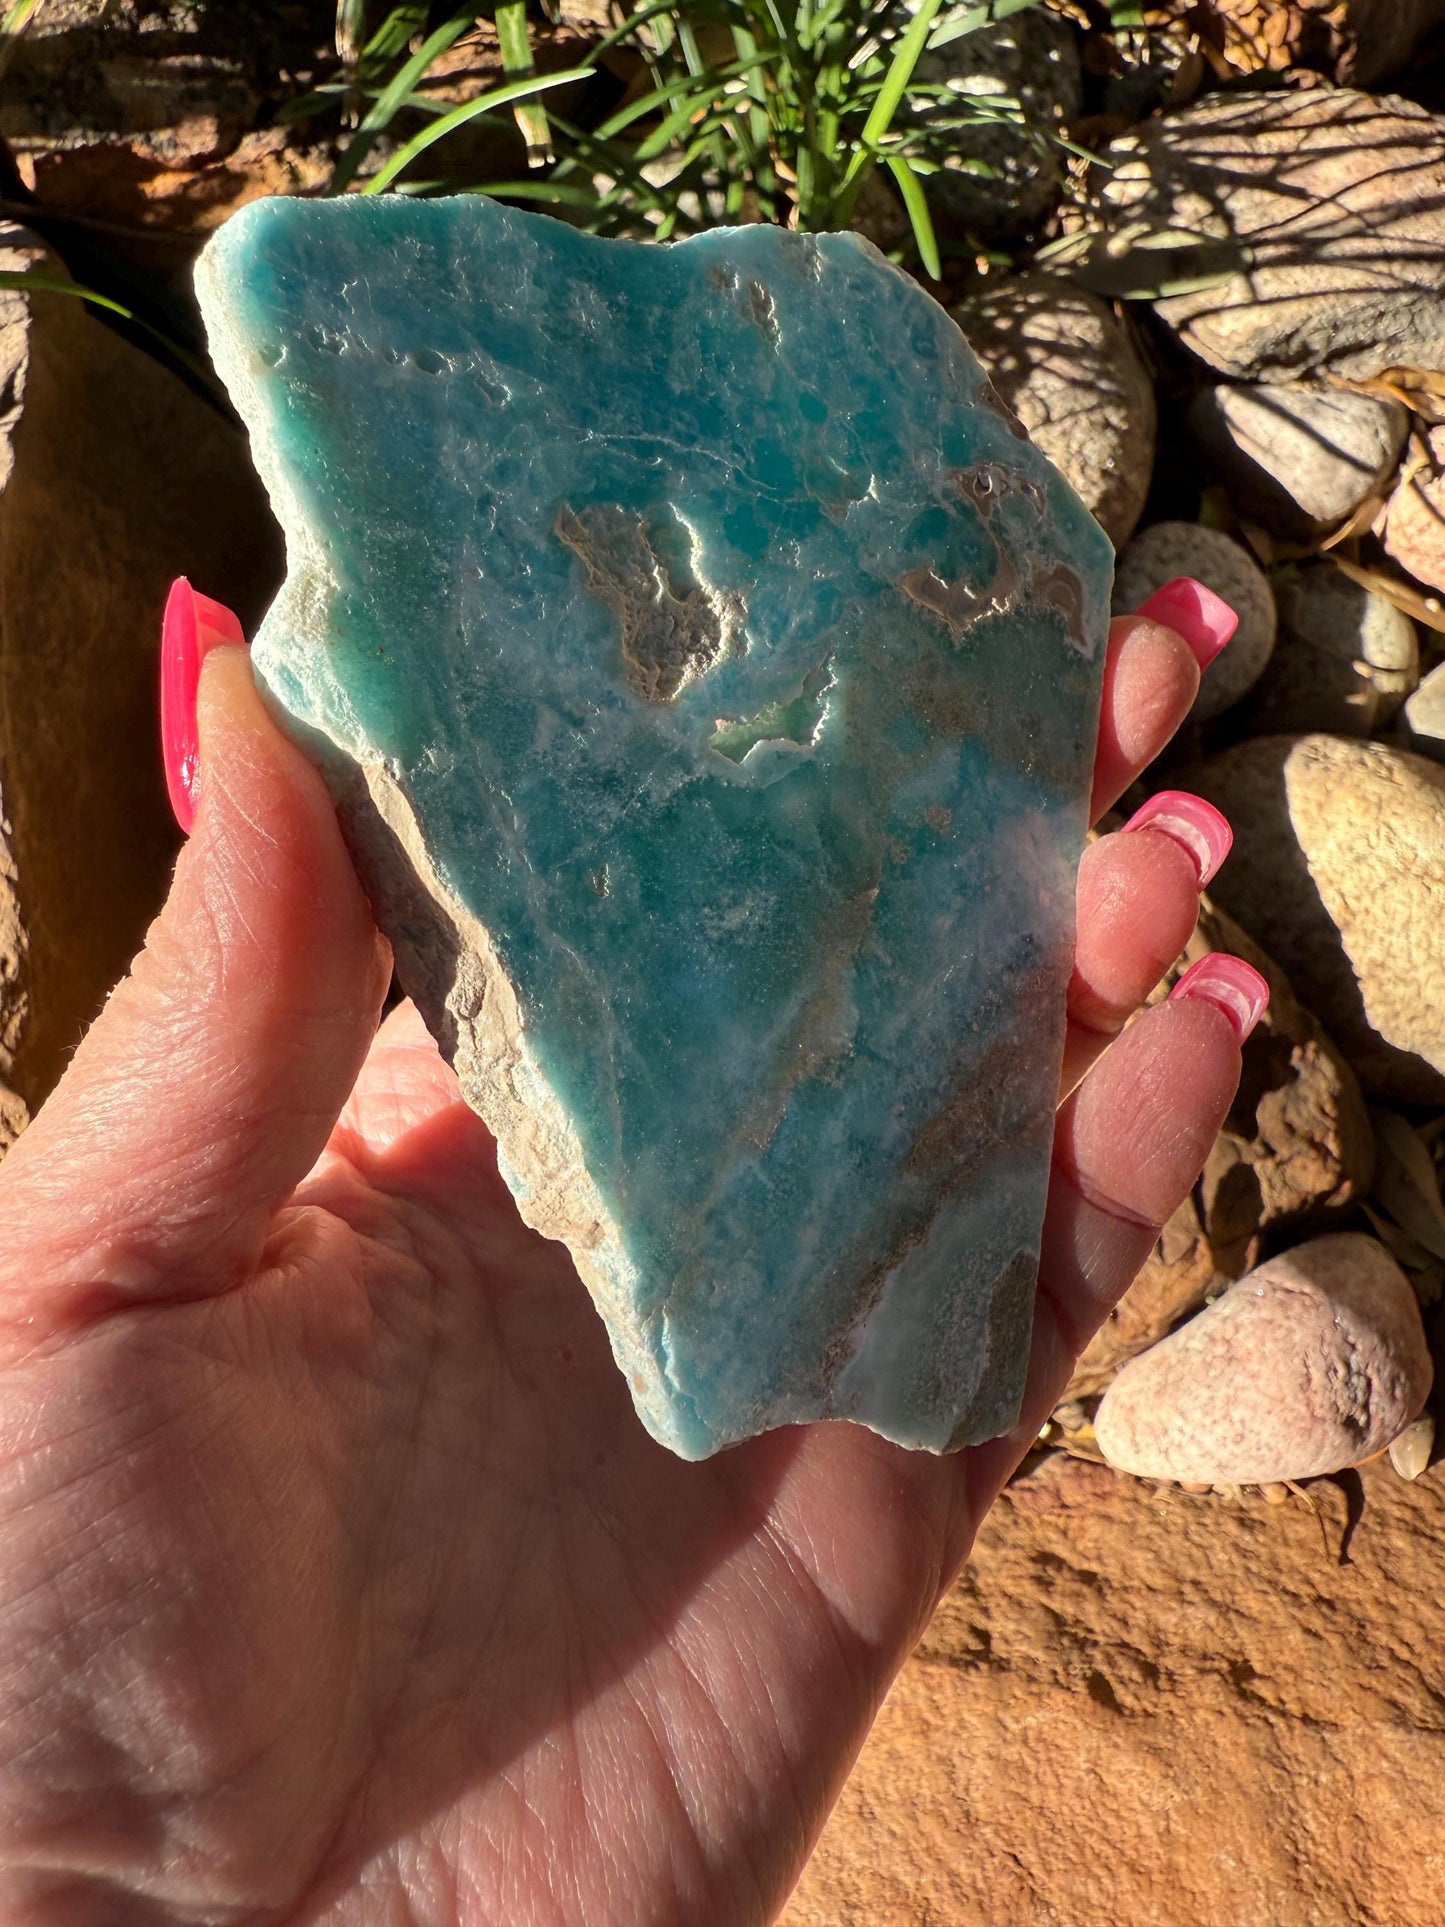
(1410, 1452)
(1311, 1362)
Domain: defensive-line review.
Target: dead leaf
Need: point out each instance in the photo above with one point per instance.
(1401, 1246)
(1428, 610)
(1405, 1182)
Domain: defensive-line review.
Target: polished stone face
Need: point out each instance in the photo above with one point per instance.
(707, 670)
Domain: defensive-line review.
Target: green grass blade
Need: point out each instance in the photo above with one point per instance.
(13, 22)
(693, 112)
(42, 283)
(900, 72)
(394, 34)
(560, 193)
(911, 188)
(512, 36)
(515, 42)
(393, 97)
(632, 25)
(57, 284)
(17, 17)
(687, 41)
(350, 31)
(686, 87)
(970, 19)
(586, 153)
(459, 116)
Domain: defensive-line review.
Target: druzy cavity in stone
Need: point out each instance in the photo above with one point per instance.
(707, 671)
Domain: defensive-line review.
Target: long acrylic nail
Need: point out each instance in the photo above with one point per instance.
(1204, 619)
(1231, 985)
(192, 626)
(1191, 822)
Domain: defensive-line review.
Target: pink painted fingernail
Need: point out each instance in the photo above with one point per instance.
(1204, 619)
(1231, 985)
(1190, 821)
(191, 627)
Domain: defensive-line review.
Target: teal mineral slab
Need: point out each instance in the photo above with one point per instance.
(707, 670)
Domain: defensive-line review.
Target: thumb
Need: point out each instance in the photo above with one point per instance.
(206, 1088)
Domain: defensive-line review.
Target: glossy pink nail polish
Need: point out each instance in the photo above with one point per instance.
(191, 627)
(1231, 985)
(1204, 619)
(1190, 822)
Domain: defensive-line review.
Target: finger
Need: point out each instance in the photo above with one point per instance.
(1151, 677)
(1138, 898)
(209, 1083)
(1133, 1138)
(1129, 1145)
(404, 1081)
(407, 1131)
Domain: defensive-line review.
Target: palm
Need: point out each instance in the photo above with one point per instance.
(474, 1597)
(339, 1577)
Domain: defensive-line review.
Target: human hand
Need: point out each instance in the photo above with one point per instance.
(338, 1580)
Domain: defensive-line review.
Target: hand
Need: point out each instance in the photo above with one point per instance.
(338, 1581)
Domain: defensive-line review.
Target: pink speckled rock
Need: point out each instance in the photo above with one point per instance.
(1313, 1361)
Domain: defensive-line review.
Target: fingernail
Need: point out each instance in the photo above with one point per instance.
(191, 627)
(1190, 822)
(1204, 619)
(1231, 985)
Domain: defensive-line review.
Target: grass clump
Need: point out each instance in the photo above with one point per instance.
(738, 110)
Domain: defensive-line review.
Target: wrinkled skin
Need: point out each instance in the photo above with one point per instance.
(338, 1581)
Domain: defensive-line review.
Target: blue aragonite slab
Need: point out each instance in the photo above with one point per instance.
(707, 669)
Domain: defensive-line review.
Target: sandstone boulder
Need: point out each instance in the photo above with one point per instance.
(1338, 870)
(1150, 1709)
(1300, 456)
(1031, 59)
(1286, 233)
(1345, 659)
(1296, 1142)
(114, 478)
(1068, 367)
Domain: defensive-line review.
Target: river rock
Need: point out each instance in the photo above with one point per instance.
(1320, 218)
(1069, 368)
(114, 477)
(1300, 456)
(1338, 870)
(1345, 659)
(1030, 58)
(1425, 715)
(1296, 1142)
(1415, 523)
(1147, 1708)
(1168, 549)
(1313, 1361)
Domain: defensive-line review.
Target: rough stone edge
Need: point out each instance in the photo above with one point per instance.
(446, 958)
(447, 962)
(465, 996)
